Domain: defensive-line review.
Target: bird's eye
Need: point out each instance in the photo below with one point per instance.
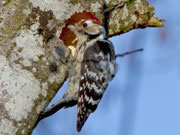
(85, 25)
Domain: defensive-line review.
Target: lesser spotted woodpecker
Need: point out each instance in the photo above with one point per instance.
(93, 65)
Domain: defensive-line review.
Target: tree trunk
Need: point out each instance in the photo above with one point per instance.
(29, 30)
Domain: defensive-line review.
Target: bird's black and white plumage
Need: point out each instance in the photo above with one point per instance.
(97, 69)
(91, 68)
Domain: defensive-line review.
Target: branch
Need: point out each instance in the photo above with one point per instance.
(127, 53)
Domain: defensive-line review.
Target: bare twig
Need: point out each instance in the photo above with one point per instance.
(127, 53)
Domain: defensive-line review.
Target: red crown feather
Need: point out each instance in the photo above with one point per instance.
(94, 20)
(79, 16)
(67, 36)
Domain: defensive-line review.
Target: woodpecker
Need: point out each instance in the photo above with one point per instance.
(92, 66)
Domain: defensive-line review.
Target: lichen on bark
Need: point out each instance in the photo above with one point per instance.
(28, 32)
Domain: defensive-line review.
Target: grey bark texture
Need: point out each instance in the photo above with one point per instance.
(29, 29)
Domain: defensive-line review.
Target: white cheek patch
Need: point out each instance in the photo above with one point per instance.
(89, 22)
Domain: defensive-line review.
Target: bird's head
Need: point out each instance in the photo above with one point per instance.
(78, 24)
(83, 22)
(89, 27)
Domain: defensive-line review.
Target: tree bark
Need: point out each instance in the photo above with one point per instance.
(27, 28)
